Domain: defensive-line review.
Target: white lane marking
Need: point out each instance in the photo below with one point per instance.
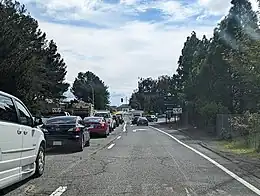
(59, 191)
(233, 175)
(135, 130)
(187, 192)
(111, 146)
(118, 137)
(124, 128)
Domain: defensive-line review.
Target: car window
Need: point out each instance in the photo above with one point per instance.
(7, 110)
(105, 115)
(92, 119)
(62, 120)
(25, 117)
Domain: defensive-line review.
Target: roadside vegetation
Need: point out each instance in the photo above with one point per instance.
(31, 68)
(218, 75)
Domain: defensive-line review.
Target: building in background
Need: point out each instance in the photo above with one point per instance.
(124, 108)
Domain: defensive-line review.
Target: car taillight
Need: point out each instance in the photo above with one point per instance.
(77, 129)
(102, 124)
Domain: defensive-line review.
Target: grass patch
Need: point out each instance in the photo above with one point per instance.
(238, 147)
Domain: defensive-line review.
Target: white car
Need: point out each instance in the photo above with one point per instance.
(108, 117)
(22, 144)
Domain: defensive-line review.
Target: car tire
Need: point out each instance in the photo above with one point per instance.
(87, 143)
(105, 135)
(40, 162)
(81, 144)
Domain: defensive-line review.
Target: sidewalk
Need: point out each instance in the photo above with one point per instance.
(209, 141)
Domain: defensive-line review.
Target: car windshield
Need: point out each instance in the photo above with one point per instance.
(105, 115)
(61, 120)
(92, 119)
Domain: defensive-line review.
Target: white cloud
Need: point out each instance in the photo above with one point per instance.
(127, 49)
(123, 54)
(220, 7)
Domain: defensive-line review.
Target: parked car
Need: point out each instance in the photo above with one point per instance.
(97, 125)
(22, 144)
(67, 131)
(120, 117)
(134, 120)
(116, 120)
(152, 118)
(142, 121)
(108, 117)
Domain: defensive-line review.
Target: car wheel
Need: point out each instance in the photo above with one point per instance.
(105, 135)
(40, 162)
(81, 144)
(87, 143)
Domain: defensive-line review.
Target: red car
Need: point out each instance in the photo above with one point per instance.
(97, 125)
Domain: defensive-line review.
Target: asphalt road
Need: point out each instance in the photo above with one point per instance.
(139, 161)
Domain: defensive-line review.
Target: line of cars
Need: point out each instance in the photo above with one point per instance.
(24, 138)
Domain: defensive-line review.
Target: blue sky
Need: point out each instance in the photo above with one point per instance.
(121, 40)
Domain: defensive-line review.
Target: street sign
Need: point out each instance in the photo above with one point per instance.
(177, 110)
(56, 110)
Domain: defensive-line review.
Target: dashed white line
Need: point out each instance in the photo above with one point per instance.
(233, 175)
(134, 130)
(118, 137)
(59, 191)
(187, 192)
(111, 146)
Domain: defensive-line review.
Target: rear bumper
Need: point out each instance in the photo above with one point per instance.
(142, 123)
(97, 131)
(58, 141)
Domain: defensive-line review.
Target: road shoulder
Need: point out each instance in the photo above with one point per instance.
(209, 144)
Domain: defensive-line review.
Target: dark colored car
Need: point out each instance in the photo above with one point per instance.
(66, 131)
(149, 118)
(142, 121)
(134, 120)
(97, 125)
(152, 118)
(117, 120)
(120, 117)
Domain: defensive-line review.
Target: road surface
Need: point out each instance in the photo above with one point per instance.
(139, 161)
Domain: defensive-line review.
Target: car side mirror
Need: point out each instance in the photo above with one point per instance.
(37, 121)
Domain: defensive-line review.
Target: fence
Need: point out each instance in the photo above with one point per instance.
(244, 129)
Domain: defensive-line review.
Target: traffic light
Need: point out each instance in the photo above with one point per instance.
(122, 100)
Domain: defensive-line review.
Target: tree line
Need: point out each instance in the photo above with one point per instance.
(214, 75)
(31, 68)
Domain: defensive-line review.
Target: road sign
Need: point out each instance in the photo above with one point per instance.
(177, 110)
(56, 110)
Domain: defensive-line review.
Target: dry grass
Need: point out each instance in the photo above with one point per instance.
(237, 147)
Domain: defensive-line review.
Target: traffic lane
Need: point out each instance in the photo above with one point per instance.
(146, 162)
(232, 166)
(130, 167)
(57, 164)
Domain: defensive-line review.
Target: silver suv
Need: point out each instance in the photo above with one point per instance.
(22, 144)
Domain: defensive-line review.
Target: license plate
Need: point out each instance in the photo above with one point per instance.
(57, 143)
